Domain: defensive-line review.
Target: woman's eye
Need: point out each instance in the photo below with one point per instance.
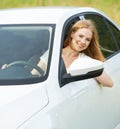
(88, 40)
(80, 36)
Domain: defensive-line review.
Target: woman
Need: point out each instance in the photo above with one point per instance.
(82, 40)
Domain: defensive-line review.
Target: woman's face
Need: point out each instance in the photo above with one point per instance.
(81, 39)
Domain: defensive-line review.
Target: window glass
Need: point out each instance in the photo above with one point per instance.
(22, 47)
(106, 39)
(116, 34)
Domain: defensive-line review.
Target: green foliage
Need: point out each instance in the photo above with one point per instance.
(110, 7)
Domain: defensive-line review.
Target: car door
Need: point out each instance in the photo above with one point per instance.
(90, 105)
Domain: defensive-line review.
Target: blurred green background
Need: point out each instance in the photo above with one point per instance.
(110, 7)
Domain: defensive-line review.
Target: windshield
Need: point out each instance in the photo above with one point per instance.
(24, 53)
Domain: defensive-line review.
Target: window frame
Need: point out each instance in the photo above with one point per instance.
(62, 72)
(25, 81)
(63, 77)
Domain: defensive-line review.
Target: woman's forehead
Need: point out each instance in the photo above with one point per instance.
(86, 31)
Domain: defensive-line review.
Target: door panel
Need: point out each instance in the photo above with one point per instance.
(90, 105)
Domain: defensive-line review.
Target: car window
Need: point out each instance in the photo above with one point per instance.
(108, 43)
(109, 40)
(22, 47)
(116, 34)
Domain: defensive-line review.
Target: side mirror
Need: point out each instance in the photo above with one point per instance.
(84, 65)
(83, 68)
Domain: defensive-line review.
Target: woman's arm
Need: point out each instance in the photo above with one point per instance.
(105, 79)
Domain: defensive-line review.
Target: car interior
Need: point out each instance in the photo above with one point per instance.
(21, 49)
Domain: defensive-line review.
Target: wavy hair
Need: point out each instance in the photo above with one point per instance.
(93, 49)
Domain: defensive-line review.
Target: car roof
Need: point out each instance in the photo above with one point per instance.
(45, 15)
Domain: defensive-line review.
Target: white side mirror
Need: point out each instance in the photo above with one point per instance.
(84, 65)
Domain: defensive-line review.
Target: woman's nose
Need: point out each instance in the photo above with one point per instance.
(83, 42)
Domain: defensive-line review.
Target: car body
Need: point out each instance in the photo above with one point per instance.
(54, 101)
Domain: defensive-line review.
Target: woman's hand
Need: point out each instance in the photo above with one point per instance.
(4, 66)
(105, 79)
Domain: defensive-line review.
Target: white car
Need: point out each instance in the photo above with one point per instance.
(55, 100)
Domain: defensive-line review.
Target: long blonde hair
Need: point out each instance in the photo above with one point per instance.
(93, 49)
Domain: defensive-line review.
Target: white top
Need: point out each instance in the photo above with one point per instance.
(76, 60)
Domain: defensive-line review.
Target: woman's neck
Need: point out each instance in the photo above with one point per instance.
(69, 55)
(68, 51)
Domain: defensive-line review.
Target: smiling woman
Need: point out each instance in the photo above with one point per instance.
(83, 40)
